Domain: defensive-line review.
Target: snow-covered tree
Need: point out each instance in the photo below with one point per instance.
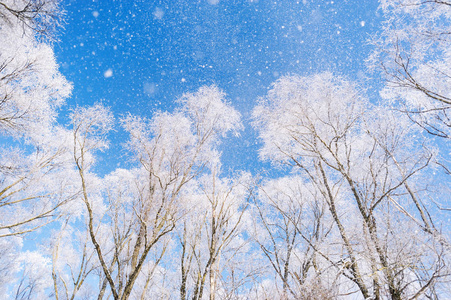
(414, 53)
(34, 177)
(31, 89)
(292, 231)
(131, 211)
(364, 162)
(73, 261)
(34, 277)
(212, 238)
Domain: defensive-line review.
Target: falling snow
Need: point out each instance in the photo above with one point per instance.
(108, 73)
(175, 108)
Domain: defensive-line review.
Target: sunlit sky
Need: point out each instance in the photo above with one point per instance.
(139, 56)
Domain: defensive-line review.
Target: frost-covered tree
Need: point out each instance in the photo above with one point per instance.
(73, 261)
(32, 187)
(365, 162)
(130, 212)
(414, 53)
(34, 277)
(34, 182)
(31, 89)
(212, 238)
(42, 17)
(292, 231)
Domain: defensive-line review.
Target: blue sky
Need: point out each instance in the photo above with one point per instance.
(139, 56)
